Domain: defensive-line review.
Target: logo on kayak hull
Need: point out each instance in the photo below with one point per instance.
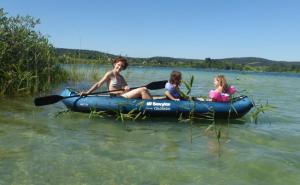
(159, 106)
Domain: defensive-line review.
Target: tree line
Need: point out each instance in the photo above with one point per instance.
(243, 64)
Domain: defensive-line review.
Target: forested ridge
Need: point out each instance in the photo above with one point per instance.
(241, 63)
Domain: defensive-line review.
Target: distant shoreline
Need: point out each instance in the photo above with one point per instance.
(271, 73)
(75, 56)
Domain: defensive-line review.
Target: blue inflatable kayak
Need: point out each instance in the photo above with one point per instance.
(157, 107)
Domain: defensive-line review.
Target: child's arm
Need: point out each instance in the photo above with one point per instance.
(169, 95)
(214, 95)
(231, 90)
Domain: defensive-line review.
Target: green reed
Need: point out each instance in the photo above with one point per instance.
(192, 116)
(132, 115)
(57, 114)
(260, 109)
(188, 86)
(97, 114)
(77, 74)
(29, 65)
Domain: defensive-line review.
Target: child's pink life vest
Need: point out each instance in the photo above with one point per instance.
(222, 97)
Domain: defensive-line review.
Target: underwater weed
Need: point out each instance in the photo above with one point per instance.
(260, 109)
(57, 114)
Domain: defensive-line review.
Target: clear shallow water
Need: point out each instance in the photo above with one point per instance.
(38, 148)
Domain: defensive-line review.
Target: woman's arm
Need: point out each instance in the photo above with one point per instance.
(126, 86)
(97, 84)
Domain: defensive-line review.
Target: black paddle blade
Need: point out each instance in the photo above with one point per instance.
(46, 100)
(157, 85)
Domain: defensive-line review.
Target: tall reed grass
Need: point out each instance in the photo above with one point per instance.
(27, 59)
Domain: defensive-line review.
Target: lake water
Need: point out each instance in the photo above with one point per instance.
(38, 146)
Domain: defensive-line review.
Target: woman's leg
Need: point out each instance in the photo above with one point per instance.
(136, 93)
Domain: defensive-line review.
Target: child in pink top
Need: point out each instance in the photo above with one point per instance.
(223, 91)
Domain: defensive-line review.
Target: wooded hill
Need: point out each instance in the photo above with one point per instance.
(243, 63)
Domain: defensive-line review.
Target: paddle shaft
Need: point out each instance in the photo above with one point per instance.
(102, 92)
(151, 86)
(55, 98)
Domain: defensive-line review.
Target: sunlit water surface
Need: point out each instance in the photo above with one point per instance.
(39, 147)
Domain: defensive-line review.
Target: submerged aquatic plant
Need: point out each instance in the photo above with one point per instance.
(133, 114)
(260, 109)
(59, 113)
(97, 114)
(216, 130)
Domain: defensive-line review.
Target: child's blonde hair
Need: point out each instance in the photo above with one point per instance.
(222, 83)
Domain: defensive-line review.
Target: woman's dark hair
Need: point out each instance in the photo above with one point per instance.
(175, 77)
(120, 59)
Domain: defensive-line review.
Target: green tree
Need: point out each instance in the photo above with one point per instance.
(27, 58)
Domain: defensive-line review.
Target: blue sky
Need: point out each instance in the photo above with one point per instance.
(184, 29)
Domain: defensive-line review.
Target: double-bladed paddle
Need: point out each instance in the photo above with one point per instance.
(46, 100)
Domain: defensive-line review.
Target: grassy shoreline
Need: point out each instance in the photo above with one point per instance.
(199, 64)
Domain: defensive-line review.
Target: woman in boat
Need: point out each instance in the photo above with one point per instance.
(172, 87)
(223, 91)
(115, 81)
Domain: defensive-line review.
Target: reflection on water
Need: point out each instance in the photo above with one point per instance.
(37, 147)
